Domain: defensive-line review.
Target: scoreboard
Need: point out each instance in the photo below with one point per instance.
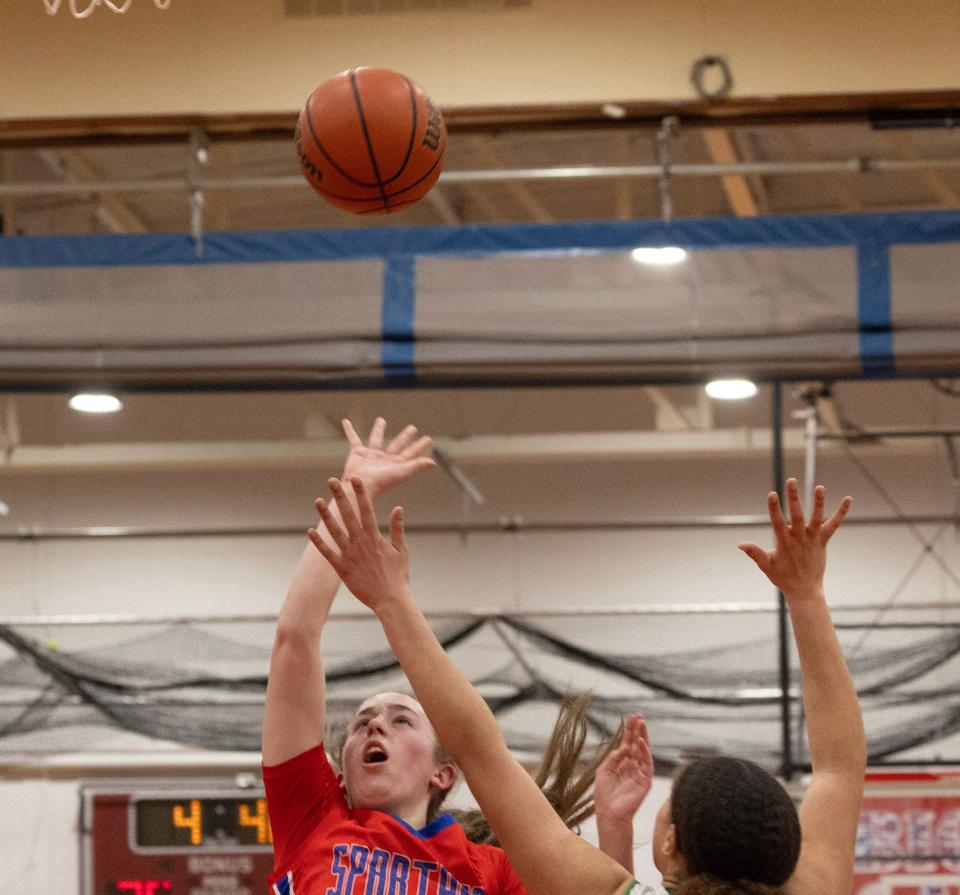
(148, 839)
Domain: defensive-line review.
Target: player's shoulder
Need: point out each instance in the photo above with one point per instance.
(310, 760)
(303, 784)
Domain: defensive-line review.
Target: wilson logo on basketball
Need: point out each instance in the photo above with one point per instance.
(431, 139)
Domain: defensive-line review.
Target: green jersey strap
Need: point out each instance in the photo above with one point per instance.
(638, 888)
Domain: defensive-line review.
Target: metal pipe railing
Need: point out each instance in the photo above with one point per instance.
(580, 172)
(492, 612)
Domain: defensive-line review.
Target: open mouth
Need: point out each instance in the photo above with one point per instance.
(374, 756)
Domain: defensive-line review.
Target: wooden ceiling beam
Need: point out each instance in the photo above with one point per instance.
(838, 185)
(115, 214)
(735, 186)
(8, 207)
(623, 188)
(729, 112)
(905, 147)
(746, 144)
(520, 191)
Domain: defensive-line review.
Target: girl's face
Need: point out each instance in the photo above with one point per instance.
(388, 758)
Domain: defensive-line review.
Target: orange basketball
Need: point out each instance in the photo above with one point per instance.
(370, 141)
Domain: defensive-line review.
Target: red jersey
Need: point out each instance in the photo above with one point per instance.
(321, 846)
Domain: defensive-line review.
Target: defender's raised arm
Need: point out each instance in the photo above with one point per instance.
(830, 809)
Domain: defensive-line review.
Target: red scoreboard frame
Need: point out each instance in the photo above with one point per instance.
(153, 838)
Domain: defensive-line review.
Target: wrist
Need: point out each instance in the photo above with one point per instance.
(612, 819)
(394, 604)
(806, 594)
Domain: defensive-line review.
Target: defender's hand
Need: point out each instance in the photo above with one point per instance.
(798, 560)
(624, 778)
(374, 569)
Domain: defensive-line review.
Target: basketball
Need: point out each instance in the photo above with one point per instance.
(370, 141)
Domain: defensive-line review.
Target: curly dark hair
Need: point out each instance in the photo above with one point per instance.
(734, 823)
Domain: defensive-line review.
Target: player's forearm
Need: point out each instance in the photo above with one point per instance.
(834, 721)
(294, 709)
(615, 838)
(309, 598)
(462, 720)
(311, 593)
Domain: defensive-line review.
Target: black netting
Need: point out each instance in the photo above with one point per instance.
(202, 685)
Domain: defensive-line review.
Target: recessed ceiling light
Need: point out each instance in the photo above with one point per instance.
(95, 402)
(4, 509)
(662, 256)
(613, 110)
(731, 389)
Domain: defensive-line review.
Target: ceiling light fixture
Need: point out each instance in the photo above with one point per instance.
(661, 257)
(95, 402)
(613, 110)
(731, 389)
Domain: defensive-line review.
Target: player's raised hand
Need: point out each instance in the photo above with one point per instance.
(798, 560)
(376, 570)
(625, 776)
(379, 467)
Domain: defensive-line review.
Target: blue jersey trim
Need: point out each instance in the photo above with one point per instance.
(284, 886)
(437, 825)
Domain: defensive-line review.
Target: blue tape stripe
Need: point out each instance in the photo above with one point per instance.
(874, 308)
(399, 284)
(329, 245)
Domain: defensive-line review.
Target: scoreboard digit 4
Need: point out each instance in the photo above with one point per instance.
(150, 839)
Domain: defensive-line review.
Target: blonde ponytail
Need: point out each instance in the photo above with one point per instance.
(561, 776)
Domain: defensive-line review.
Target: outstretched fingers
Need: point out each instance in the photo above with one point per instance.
(326, 551)
(777, 519)
(397, 534)
(421, 463)
(816, 516)
(376, 433)
(345, 506)
(368, 519)
(402, 439)
(351, 433)
(833, 523)
(796, 508)
(419, 447)
(757, 554)
(333, 527)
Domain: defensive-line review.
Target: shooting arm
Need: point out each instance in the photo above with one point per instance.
(554, 861)
(295, 711)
